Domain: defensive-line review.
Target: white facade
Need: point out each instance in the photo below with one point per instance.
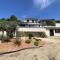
(40, 29)
(57, 24)
(49, 30)
(3, 33)
(57, 27)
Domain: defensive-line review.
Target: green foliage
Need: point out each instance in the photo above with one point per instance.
(13, 18)
(30, 36)
(10, 30)
(36, 43)
(42, 34)
(28, 41)
(18, 42)
(10, 34)
(49, 22)
(36, 39)
(57, 21)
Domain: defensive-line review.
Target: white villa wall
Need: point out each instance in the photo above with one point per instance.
(1, 33)
(57, 24)
(15, 34)
(47, 32)
(56, 34)
(40, 29)
(29, 21)
(27, 29)
(5, 34)
(45, 29)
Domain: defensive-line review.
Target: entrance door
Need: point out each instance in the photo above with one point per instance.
(51, 32)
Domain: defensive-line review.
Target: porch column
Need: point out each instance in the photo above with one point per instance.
(54, 32)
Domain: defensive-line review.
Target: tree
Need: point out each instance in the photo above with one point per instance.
(13, 18)
(57, 21)
(10, 31)
(3, 19)
(47, 22)
(50, 22)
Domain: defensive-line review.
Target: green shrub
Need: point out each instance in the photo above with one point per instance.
(36, 39)
(42, 34)
(36, 43)
(17, 42)
(28, 41)
(30, 36)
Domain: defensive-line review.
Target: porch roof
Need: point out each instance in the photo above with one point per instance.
(52, 27)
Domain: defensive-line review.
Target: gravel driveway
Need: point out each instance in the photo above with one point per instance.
(51, 51)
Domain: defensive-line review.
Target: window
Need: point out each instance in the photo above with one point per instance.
(57, 30)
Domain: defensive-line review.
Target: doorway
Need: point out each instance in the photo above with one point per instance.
(51, 32)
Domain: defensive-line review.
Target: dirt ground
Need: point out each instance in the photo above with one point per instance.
(10, 46)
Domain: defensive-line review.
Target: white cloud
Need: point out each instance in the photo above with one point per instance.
(42, 3)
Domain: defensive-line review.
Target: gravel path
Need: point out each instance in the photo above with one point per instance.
(51, 51)
(52, 40)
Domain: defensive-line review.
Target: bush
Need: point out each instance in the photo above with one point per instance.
(36, 43)
(30, 36)
(36, 39)
(5, 39)
(10, 34)
(28, 41)
(17, 42)
(42, 34)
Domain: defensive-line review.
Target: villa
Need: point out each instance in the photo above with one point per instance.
(32, 26)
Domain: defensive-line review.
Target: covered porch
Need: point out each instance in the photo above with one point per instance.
(54, 31)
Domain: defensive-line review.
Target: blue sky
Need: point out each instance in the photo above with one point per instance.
(43, 9)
